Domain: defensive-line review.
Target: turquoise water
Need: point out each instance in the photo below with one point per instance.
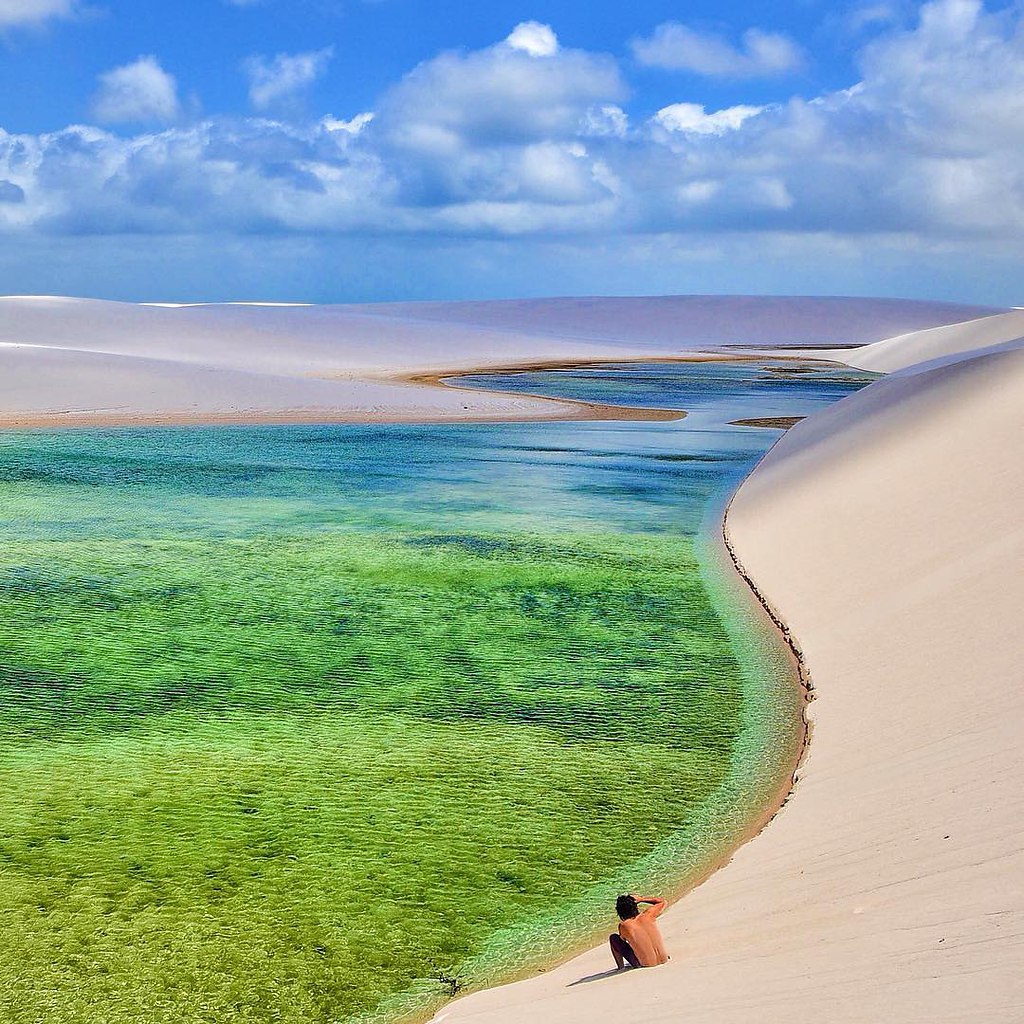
(217, 481)
(267, 687)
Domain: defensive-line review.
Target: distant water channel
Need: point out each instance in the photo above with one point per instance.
(322, 723)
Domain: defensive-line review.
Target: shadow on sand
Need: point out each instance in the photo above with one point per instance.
(613, 972)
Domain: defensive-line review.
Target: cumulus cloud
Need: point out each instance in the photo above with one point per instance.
(498, 127)
(498, 141)
(353, 126)
(34, 12)
(278, 80)
(501, 95)
(677, 47)
(140, 91)
(533, 38)
(212, 176)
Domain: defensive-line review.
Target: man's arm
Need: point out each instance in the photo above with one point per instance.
(657, 905)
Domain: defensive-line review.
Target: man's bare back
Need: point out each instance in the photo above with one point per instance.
(639, 942)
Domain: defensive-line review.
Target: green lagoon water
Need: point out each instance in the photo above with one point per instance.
(299, 722)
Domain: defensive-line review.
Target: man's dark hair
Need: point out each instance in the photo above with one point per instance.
(626, 908)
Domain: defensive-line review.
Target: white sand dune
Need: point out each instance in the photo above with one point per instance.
(40, 386)
(939, 344)
(240, 360)
(888, 533)
(67, 360)
(697, 321)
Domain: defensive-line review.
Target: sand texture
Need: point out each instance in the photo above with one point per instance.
(88, 361)
(887, 532)
(41, 386)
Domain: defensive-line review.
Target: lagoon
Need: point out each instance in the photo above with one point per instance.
(320, 723)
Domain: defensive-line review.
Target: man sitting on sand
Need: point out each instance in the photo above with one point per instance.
(639, 942)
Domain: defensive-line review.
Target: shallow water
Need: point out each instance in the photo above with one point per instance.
(298, 722)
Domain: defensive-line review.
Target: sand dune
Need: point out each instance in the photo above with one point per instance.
(44, 386)
(887, 531)
(696, 321)
(939, 344)
(284, 340)
(81, 360)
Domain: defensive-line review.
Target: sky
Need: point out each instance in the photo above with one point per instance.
(367, 150)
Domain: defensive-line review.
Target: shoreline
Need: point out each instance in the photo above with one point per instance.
(781, 627)
(771, 803)
(891, 887)
(748, 603)
(557, 409)
(751, 605)
(755, 605)
(575, 411)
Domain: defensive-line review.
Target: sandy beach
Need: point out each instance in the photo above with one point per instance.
(885, 532)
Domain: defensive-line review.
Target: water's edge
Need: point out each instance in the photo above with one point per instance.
(774, 676)
(766, 754)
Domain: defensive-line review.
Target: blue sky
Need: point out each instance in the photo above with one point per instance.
(351, 150)
(48, 74)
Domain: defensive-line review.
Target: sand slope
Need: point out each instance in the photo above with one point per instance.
(82, 360)
(888, 532)
(937, 344)
(43, 386)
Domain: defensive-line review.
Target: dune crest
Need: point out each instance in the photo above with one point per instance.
(944, 343)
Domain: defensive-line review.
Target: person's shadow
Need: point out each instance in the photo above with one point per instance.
(598, 977)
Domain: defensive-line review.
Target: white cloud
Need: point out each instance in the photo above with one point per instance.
(211, 176)
(925, 146)
(533, 38)
(608, 119)
(676, 47)
(34, 12)
(692, 118)
(279, 79)
(697, 192)
(140, 91)
(464, 127)
(351, 127)
(500, 95)
(871, 16)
